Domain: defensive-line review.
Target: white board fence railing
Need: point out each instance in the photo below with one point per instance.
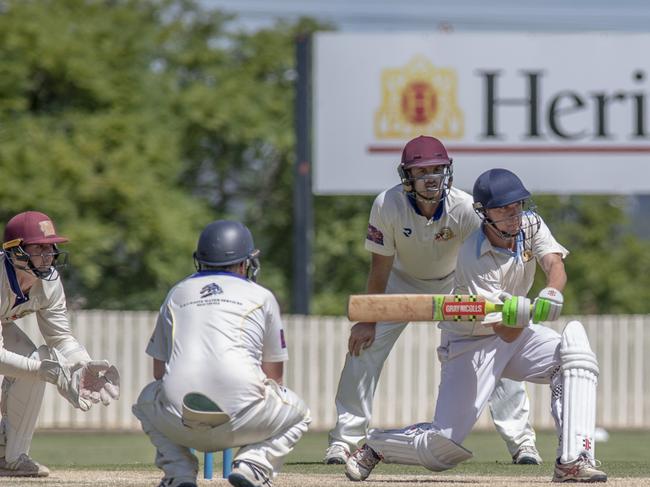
(317, 346)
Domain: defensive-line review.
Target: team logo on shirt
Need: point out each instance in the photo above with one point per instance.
(375, 235)
(283, 343)
(527, 255)
(210, 290)
(445, 233)
(407, 232)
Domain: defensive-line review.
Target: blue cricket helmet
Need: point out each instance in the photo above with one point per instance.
(498, 187)
(227, 242)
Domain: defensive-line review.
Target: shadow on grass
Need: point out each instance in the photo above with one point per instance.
(423, 481)
(307, 463)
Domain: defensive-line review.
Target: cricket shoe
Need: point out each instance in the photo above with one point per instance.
(248, 474)
(23, 466)
(527, 455)
(361, 463)
(336, 454)
(581, 469)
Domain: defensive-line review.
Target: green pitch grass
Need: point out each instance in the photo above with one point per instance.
(626, 454)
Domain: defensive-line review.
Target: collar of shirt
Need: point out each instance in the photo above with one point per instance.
(13, 283)
(217, 273)
(483, 245)
(436, 216)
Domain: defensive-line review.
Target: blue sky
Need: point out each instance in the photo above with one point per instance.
(461, 15)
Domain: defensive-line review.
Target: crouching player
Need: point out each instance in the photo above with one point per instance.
(218, 350)
(30, 283)
(498, 261)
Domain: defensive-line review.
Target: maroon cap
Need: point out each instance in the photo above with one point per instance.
(30, 227)
(424, 151)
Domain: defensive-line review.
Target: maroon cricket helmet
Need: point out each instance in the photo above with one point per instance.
(30, 227)
(424, 151)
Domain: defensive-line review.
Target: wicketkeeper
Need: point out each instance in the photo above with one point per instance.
(30, 283)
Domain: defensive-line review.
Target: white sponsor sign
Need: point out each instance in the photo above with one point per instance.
(567, 112)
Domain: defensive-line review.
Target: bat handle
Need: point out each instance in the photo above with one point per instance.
(496, 307)
(493, 307)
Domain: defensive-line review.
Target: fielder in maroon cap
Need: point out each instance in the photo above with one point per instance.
(30, 283)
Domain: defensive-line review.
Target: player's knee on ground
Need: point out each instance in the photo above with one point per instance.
(418, 445)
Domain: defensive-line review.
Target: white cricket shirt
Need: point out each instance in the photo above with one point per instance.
(47, 300)
(213, 332)
(424, 248)
(488, 271)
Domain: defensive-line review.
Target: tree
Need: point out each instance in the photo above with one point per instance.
(89, 136)
(134, 123)
(608, 267)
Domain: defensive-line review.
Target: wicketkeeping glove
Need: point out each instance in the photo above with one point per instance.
(547, 305)
(100, 381)
(516, 312)
(65, 376)
(82, 383)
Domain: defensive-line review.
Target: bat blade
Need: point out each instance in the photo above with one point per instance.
(419, 307)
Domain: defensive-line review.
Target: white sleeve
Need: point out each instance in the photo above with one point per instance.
(15, 365)
(469, 222)
(380, 238)
(544, 243)
(54, 324)
(160, 343)
(274, 348)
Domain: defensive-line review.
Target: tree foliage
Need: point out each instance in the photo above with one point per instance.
(608, 267)
(136, 122)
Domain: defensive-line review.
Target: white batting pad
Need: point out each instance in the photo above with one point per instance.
(579, 369)
(418, 444)
(21, 403)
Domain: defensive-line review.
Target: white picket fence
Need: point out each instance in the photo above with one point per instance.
(317, 346)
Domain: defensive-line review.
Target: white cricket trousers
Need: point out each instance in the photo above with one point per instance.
(509, 404)
(266, 431)
(472, 366)
(21, 398)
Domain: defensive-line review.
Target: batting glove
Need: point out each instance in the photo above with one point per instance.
(547, 305)
(516, 312)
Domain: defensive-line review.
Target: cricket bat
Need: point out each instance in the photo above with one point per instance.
(419, 307)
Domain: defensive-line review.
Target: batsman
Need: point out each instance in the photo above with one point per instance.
(30, 283)
(415, 231)
(498, 262)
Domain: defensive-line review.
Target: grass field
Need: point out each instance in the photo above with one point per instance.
(92, 459)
